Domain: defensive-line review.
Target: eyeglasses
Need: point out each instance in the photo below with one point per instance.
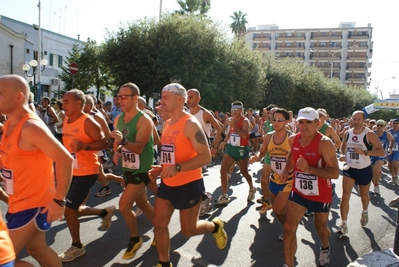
(123, 97)
(279, 120)
(235, 109)
(380, 125)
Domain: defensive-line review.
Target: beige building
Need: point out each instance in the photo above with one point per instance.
(344, 52)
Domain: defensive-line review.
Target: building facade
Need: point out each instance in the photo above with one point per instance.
(344, 52)
(24, 39)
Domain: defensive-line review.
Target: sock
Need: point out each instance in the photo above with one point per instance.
(103, 213)
(365, 211)
(134, 239)
(327, 248)
(343, 222)
(164, 263)
(78, 245)
(216, 228)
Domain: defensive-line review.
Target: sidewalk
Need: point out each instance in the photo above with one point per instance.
(385, 258)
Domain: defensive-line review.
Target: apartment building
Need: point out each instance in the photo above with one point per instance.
(344, 52)
(19, 44)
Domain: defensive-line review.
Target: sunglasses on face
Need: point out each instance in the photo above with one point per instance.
(279, 120)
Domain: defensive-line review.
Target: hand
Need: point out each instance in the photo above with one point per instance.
(231, 122)
(283, 176)
(76, 145)
(222, 145)
(342, 158)
(359, 151)
(302, 164)
(54, 212)
(117, 136)
(168, 172)
(213, 151)
(154, 172)
(253, 159)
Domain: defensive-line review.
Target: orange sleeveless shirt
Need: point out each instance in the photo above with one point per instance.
(85, 162)
(177, 148)
(7, 252)
(28, 175)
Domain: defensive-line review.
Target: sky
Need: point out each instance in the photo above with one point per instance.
(92, 19)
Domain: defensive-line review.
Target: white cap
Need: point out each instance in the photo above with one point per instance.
(307, 113)
(322, 112)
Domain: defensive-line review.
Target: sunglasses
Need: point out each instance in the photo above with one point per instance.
(123, 97)
(279, 120)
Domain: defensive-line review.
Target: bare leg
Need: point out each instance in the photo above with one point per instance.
(347, 185)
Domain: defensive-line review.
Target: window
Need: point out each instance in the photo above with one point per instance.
(51, 63)
(59, 61)
(28, 51)
(35, 55)
(288, 34)
(288, 44)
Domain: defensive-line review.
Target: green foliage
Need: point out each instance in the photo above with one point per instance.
(238, 26)
(193, 7)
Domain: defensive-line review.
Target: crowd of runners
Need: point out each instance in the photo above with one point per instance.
(73, 143)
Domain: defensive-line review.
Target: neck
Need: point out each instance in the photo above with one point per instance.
(176, 115)
(74, 117)
(195, 109)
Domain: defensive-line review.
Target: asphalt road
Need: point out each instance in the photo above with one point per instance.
(253, 239)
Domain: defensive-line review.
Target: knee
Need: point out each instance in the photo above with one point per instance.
(70, 213)
(289, 228)
(345, 198)
(187, 232)
(124, 208)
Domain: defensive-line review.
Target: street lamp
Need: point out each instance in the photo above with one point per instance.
(33, 63)
(378, 84)
(332, 54)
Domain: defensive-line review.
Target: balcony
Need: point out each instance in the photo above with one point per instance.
(290, 38)
(328, 37)
(358, 36)
(290, 48)
(261, 39)
(262, 48)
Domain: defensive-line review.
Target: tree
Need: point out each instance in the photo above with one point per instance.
(190, 7)
(238, 27)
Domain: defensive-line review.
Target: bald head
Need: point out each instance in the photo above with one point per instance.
(141, 102)
(14, 92)
(16, 83)
(194, 91)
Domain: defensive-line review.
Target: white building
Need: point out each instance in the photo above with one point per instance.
(19, 45)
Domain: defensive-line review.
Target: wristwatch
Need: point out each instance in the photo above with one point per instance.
(60, 202)
(124, 141)
(178, 167)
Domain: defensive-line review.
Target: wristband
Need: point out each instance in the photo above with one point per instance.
(61, 203)
(123, 141)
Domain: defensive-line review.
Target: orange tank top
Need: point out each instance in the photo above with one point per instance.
(7, 252)
(85, 162)
(177, 148)
(28, 175)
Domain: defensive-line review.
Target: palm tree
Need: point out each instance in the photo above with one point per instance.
(190, 7)
(238, 27)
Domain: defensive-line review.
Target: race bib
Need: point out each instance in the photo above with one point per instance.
(307, 184)
(352, 156)
(75, 161)
(167, 154)
(395, 147)
(235, 139)
(8, 181)
(130, 160)
(278, 164)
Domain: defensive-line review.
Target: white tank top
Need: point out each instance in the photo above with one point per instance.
(353, 159)
(206, 126)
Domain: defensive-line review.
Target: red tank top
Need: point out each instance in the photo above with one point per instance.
(310, 186)
(235, 138)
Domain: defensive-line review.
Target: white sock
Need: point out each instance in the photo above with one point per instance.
(365, 211)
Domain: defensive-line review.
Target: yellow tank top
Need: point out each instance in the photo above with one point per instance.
(278, 157)
(177, 148)
(85, 162)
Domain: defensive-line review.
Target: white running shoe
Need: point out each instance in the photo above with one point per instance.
(251, 194)
(223, 199)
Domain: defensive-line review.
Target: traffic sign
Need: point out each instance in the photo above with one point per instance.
(73, 68)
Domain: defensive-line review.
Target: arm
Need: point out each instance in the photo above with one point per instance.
(290, 162)
(327, 152)
(330, 132)
(262, 150)
(343, 147)
(93, 130)
(391, 142)
(244, 131)
(377, 150)
(52, 113)
(208, 117)
(104, 126)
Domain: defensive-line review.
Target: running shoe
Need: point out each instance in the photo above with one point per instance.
(324, 258)
(159, 265)
(261, 200)
(343, 229)
(251, 194)
(394, 180)
(364, 218)
(131, 249)
(376, 190)
(106, 223)
(220, 236)
(223, 199)
(72, 253)
(104, 191)
(138, 211)
(265, 207)
(394, 203)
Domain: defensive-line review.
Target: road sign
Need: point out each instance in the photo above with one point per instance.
(73, 68)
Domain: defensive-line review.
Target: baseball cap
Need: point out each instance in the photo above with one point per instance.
(307, 113)
(176, 89)
(107, 103)
(322, 112)
(395, 120)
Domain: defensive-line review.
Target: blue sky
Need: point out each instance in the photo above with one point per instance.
(90, 18)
